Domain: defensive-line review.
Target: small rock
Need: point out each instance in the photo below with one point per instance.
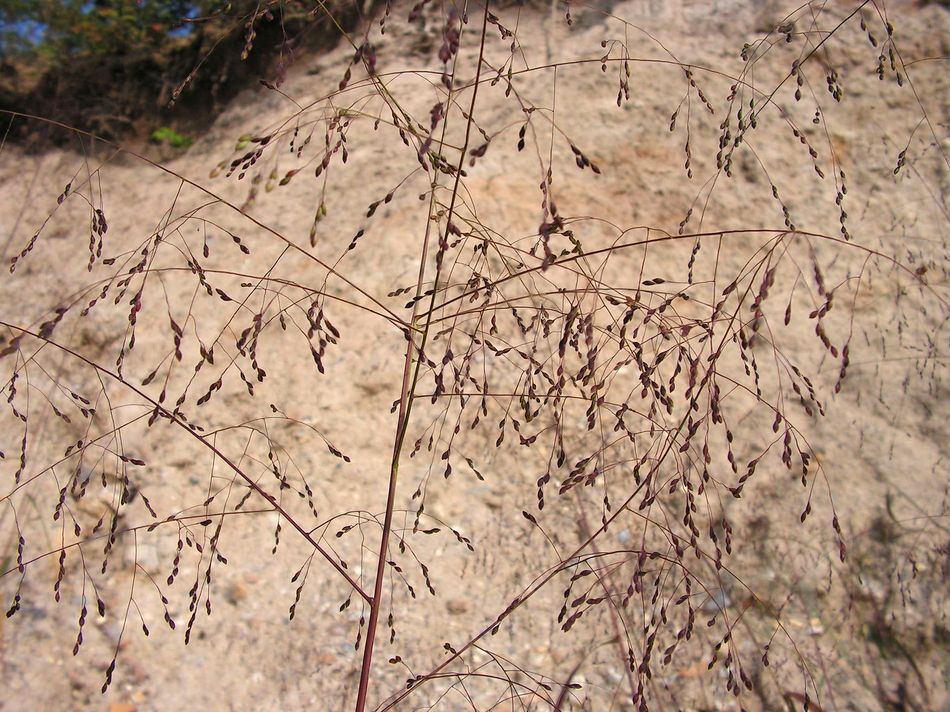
(717, 602)
(327, 658)
(236, 593)
(112, 632)
(873, 590)
(457, 606)
(143, 553)
(560, 655)
(122, 707)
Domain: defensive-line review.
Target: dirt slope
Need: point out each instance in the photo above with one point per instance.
(871, 630)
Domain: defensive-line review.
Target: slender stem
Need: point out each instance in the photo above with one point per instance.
(410, 378)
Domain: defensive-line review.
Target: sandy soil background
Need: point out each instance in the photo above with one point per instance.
(865, 633)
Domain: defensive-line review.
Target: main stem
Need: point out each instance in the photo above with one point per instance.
(402, 421)
(410, 377)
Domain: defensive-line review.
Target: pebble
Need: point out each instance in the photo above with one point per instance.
(457, 606)
(122, 707)
(145, 554)
(718, 601)
(236, 593)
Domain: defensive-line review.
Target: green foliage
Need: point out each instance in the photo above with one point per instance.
(171, 137)
(61, 30)
(110, 66)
